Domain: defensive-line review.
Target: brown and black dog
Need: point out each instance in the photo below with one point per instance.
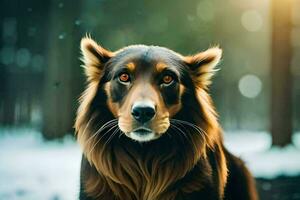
(149, 131)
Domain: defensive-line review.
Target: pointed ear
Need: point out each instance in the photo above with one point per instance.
(94, 58)
(202, 66)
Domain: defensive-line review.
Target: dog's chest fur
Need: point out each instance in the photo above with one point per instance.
(201, 181)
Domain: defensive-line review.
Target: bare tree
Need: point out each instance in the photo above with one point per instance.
(281, 108)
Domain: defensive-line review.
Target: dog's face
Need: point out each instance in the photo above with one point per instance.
(144, 85)
(144, 90)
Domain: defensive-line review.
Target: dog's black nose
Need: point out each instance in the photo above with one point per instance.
(143, 114)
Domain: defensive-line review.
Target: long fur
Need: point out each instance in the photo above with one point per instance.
(186, 161)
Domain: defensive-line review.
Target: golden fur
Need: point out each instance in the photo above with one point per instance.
(127, 171)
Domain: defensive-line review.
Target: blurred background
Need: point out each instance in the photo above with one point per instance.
(256, 92)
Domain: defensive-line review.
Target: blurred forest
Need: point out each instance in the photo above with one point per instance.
(41, 77)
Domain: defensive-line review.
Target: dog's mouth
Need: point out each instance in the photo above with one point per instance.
(142, 134)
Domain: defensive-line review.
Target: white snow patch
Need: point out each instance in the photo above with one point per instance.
(33, 169)
(262, 159)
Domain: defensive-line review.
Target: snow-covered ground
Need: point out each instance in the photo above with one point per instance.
(36, 170)
(264, 161)
(31, 169)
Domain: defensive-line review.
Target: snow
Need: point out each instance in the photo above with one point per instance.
(31, 168)
(262, 160)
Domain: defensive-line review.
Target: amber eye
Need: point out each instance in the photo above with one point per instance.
(124, 77)
(167, 79)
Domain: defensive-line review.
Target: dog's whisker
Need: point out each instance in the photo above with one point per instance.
(109, 123)
(185, 135)
(181, 135)
(106, 125)
(190, 124)
(182, 125)
(94, 136)
(86, 126)
(187, 123)
(114, 126)
(181, 131)
(168, 134)
(102, 137)
(195, 127)
(111, 136)
(120, 135)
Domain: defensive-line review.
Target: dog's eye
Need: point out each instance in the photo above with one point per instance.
(167, 79)
(124, 77)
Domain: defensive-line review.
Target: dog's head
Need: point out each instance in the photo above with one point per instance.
(152, 95)
(144, 85)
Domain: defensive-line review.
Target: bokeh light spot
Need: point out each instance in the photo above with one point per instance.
(252, 20)
(78, 22)
(61, 5)
(62, 36)
(23, 57)
(250, 86)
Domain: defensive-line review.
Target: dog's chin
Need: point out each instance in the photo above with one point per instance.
(142, 135)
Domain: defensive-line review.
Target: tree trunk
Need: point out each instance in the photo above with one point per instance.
(58, 108)
(281, 106)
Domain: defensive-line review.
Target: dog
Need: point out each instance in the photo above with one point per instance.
(148, 128)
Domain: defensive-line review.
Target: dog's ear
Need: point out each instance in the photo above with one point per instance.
(94, 58)
(202, 66)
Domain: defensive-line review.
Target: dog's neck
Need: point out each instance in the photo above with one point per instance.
(148, 171)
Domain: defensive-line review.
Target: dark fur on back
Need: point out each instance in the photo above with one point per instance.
(187, 162)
